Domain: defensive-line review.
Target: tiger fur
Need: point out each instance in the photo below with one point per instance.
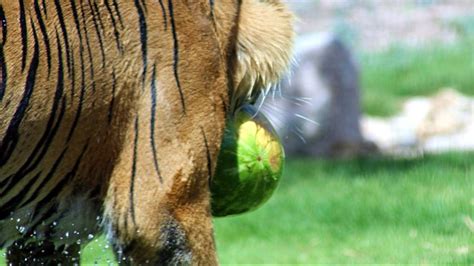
(111, 118)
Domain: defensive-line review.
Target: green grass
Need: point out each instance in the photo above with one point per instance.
(362, 211)
(357, 211)
(390, 77)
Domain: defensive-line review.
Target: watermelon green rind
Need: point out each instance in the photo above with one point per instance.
(249, 165)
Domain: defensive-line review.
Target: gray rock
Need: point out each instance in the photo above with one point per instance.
(317, 112)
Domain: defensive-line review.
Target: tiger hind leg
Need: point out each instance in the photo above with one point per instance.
(44, 253)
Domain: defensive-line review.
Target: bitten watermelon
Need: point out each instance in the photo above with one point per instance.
(249, 166)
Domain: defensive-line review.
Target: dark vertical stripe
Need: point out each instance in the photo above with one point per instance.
(134, 172)
(102, 28)
(69, 58)
(62, 24)
(211, 5)
(75, 15)
(152, 123)
(3, 25)
(83, 70)
(231, 60)
(176, 55)
(3, 73)
(143, 38)
(88, 45)
(97, 31)
(112, 101)
(3, 65)
(225, 108)
(10, 140)
(117, 10)
(114, 25)
(24, 35)
(208, 153)
(165, 17)
(44, 32)
(45, 9)
(99, 17)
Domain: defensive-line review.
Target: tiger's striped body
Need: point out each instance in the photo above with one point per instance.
(111, 114)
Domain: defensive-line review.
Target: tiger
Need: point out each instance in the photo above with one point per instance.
(112, 115)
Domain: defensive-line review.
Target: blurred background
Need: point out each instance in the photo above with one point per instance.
(377, 119)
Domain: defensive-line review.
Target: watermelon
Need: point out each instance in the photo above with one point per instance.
(249, 166)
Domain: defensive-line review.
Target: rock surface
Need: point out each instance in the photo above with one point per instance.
(318, 112)
(443, 122)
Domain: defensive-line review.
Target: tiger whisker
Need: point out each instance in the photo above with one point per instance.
(307, 119)
(299, 135)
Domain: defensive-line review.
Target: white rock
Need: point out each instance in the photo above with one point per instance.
(443, 122)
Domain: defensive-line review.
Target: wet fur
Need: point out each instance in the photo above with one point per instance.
(112, 115)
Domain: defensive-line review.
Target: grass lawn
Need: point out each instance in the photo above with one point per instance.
(357, 211)
(390, 77)
(362, 211)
